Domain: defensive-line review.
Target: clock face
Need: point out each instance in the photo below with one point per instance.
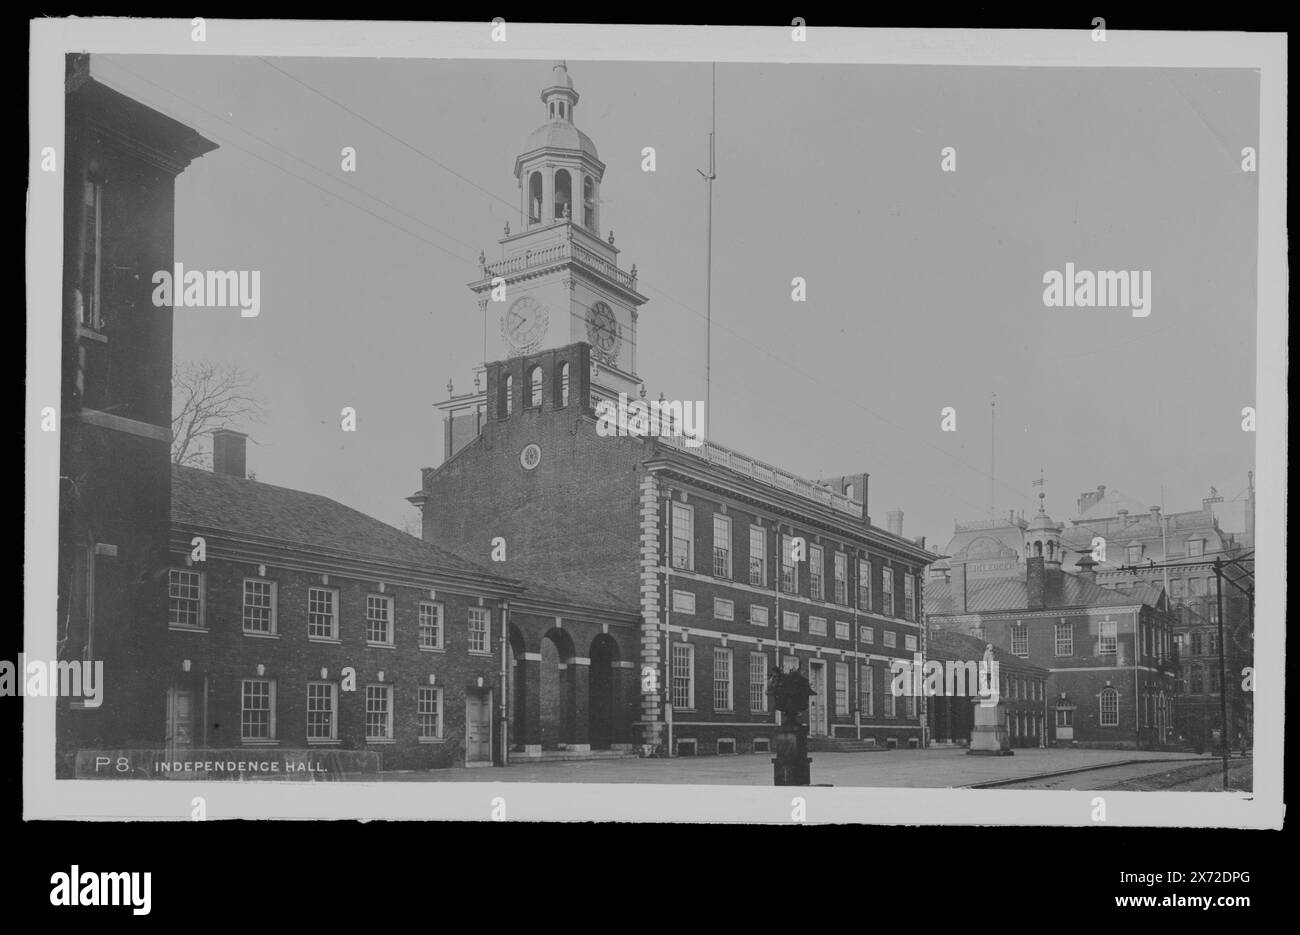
(524, 323)
(602, 331)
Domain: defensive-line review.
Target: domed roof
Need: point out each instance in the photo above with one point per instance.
(560, 134)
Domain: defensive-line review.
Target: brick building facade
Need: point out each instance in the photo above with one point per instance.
(120, 165)
(1109, 651)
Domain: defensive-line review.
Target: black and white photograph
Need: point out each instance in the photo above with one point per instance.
(496, 421)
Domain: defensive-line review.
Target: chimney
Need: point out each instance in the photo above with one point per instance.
(229, 453)
(1123, 518)
(1087, 568)
(862, 495)
(1155, 513)
(894, 522)
(958, 579)
(1036, 582)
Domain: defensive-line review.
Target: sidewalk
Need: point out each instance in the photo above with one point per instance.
(946, 768)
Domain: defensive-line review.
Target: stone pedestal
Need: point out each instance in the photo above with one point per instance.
(989, 736)
(791, 766)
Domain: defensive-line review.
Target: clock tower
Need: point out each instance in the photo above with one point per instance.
(557, 281)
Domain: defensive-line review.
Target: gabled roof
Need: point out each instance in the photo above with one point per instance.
(990, 595)
(306, 520)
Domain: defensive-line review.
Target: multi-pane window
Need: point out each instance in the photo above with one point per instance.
(724, 609)
(1109, 707)
(1195, 547)
(889, 702)
(722, 545)
(1213, 672)
(1134, 554)
(1109, 637)
(322, 707)
(757, 556)
(480, 637)
(790, 621)
(683, 536)
(1064, 639)
(185, 596)
(758, 615)
(866, 701)
(322, 613)
(909, 596)
(92, 270)
(866, 634)
(683, 602)
(1193, 587)
(758, 682)
(1195, 682)
(891, 639)
(722, 680)
(1020, 640)
(430, 625)
(259, 606)
(816, 571)
(1211, 642)
(1178, 588)
(841, 578)
(841, 688)
(683, 676)
(909, 642)
(429, 712)
(841, 629)
(864, 584)
(887, 592)
(379, 619)
(1196, 643)
(817, 626)
(1064, 717)
(379, 712)
(257, 709)
(789, 569)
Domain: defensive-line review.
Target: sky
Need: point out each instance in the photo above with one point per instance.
(924, 288)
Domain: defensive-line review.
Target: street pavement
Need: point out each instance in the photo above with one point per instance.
(935, 768)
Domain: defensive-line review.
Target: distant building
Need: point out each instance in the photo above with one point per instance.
(1109, 651)
(120, 165)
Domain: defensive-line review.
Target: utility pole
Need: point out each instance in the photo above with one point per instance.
(708, 262)
(1223, 671)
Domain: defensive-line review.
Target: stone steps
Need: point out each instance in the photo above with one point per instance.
(558, 756)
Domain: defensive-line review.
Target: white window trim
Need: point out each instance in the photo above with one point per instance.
(202, 626)
(761, 694)
(441, 645)
(690, 677)
(762, 557)
(392, 621)
(365, 725)
(1101, 707)
(334, 637)
(487, 631)
(441, 735)
(721, 653)
(719, 602)
(726, 521)
(333, 738)
(684, 509)
(767, 617)
(271, 739)
(274, 631)
(785, 616)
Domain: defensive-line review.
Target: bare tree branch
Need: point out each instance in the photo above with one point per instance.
(207, 397)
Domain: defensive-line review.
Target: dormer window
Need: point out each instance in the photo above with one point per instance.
(1134, 554)
(1196, 547)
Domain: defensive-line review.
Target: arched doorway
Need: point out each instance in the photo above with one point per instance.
(602, 701)
(555, 706)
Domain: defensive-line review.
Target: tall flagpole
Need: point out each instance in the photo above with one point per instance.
(708, 261)
(993, 451)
